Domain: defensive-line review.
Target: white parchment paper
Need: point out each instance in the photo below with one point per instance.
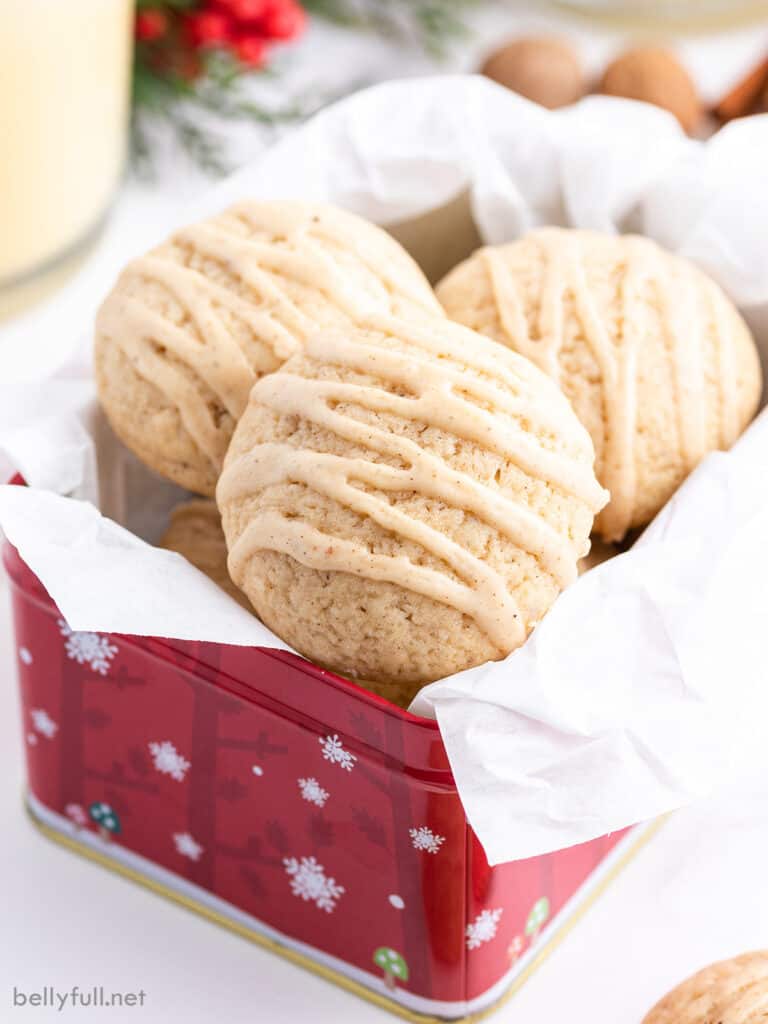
(643, 687)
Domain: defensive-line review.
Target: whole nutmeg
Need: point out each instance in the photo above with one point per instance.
(544, 69)
(654, 75)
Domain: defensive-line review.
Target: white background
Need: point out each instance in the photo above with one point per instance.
(695, 893)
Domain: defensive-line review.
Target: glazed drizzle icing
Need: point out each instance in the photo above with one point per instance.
(443, 392)
(348, 270)
(688, 306)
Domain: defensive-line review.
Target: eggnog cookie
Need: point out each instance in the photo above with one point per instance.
(655, 360)
(600, 552)
(401, 502)
(195, 532)
(730, 992)
(189, 327)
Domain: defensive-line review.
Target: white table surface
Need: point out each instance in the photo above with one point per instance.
(694, 894)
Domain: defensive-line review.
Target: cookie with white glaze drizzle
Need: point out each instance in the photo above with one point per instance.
(401, 502)
(190, 326)
(656, 361)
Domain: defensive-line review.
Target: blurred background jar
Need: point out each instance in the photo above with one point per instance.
(64, 106)
(681, 14)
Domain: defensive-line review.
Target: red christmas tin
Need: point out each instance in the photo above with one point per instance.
(287, 803)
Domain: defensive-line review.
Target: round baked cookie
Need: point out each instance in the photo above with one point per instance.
(189, 327)
(195, 532)
(729, 992)
(599, 552)
(656, 361)
(401, 502)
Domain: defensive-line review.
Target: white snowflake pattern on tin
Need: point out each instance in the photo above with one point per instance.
(483, 928)
(310, 882)
(313, 792)
(31, 739)
(43, 723)
(187, 846)
(257, 770)
(334, 752)
(168, 760)
(25, 655)
(396, 901)
(424, 838)
(88, 648)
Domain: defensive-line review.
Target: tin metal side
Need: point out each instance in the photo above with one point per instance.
(361, 983)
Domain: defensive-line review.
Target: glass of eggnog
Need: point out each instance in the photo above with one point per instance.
(65, 69)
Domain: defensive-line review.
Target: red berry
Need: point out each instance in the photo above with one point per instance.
(251, 51)
(284, 19)
(248, 10)
(151, 24)
(208, 28)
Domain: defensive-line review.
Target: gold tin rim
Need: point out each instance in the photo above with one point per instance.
(74, 845)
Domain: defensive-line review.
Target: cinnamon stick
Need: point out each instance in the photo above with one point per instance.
(744, 96)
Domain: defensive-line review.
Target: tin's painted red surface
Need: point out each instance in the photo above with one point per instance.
(305, 801)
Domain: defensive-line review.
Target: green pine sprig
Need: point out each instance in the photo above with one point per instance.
(163, 96)
(432, 24)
